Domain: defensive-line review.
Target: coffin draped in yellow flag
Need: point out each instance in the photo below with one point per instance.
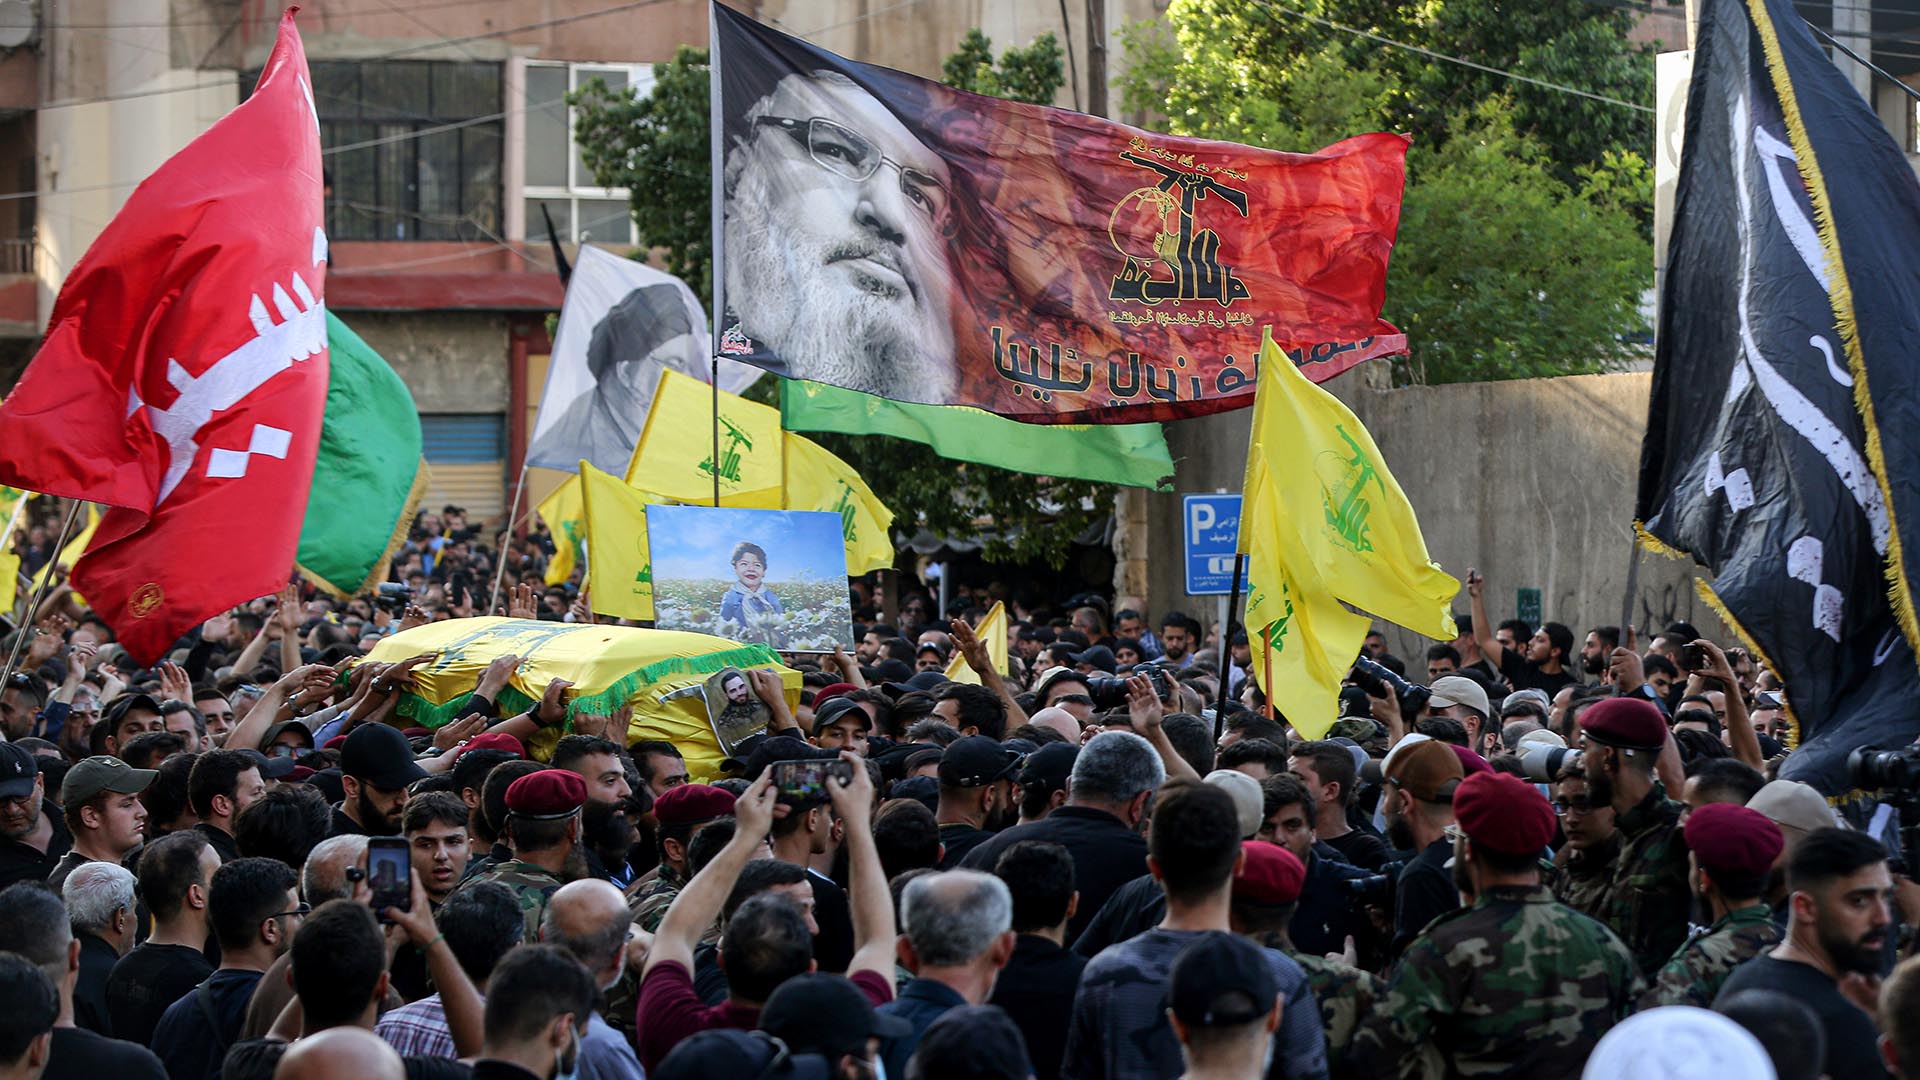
(992, 633)
(1322, 521)
(620, 564)
(565, 512)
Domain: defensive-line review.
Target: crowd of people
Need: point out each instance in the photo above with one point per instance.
(1540, 856)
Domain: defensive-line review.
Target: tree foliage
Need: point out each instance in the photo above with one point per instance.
(1522, 247)
(657, 147)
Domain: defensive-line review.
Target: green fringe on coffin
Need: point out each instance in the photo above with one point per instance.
(513, 702)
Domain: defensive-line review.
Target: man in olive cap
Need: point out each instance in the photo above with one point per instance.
(1515, 952)
(103, 810)
(543, 832)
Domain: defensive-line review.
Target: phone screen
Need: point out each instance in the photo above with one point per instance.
(388, 864)
(806, 781)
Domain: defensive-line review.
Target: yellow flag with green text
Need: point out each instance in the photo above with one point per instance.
(75, 548)
(818, 480)
(565, 513)
(9, 582)
(621, 565)
(675, 456)
(1356, 528)
(992, 632)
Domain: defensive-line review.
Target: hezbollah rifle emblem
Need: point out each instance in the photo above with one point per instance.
(1343, 494)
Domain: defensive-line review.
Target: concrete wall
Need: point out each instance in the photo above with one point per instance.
(453, 361)
(1532, 481)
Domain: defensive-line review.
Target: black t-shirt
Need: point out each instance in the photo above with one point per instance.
(220, 840)
(79, 1054)
(1522, 674)
(1851, 1039)
(97, 959)
(1362, 849)
(957, 839)
(833, 949)
(146, 981)
(20, 862)
(346, 826)
(1424, 892)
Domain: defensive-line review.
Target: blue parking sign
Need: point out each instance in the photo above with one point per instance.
(1211, 527)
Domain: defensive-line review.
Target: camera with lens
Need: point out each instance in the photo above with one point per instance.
(1374, 889)
(1544, 765)
(1110, 691)
(393, 595)
(1874, 768)
(1373, 677)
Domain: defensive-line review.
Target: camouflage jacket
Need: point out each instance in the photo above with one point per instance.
(1518, 984)
(1585, 881)
(1345, 994)
(1649, 900)
(532, 887)
(1696, 972)
(651, 905)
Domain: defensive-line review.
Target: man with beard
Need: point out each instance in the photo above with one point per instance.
(1623, 738)
(1836, 935)
(1421, 778)
(1732, 850)
(1598, 649)
(33, 838)
(543, 834)
(610, 826)
(376, 765)
(976, 795)
(835, 247)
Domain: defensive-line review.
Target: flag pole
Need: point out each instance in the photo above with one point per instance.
(1266, 655)
(714, 385)
(1633, 586)
(513, 515)
(1226, 649)
(39, 594)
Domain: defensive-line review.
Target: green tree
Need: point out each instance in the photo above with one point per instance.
(1522, 250)
(657, 147)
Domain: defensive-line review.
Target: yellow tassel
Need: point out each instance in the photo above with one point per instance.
(1652, 543)
(1843, 315)
(1712, 600)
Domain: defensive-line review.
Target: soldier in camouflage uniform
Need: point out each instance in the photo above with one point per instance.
(1733, 849)
(1518, 984)
(680, 811)
(1583, 868)
(1649, 900)
(543, 832)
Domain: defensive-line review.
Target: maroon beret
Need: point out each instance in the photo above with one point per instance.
(686, 804)
(1733, 840)
(1501, 812)
(492, 740)
(547, 795)
(1470, 762)
(1270, 874)
(1628, 722)
(830, 691)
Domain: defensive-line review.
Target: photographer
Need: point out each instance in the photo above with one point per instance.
(1421, 777)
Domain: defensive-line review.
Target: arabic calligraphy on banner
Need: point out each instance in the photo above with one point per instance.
(898, 237)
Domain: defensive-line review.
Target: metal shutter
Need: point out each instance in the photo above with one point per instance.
(467, 462)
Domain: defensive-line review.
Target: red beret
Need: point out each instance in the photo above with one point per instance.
(1628, 722)
(335, 743)
(547, 795)
(1733, 840)
(1470, 762)
(1270, 874)
(1503, 813)
(685, 804)
(492, 740)
(299, 774)
(830, 691)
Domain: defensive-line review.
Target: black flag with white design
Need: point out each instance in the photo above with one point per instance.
(1756, 460)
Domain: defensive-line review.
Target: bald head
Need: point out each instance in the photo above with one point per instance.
(1060, 720)
(341, 1051)
(589, 919)
(324, 877)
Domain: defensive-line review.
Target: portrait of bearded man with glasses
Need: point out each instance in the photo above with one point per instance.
(837, 221)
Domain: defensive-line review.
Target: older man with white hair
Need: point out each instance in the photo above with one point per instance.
(99, 899)
(958, 935)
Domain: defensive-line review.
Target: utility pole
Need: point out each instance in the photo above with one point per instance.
(1097, 57)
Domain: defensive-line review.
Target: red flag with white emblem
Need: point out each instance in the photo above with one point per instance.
(184, 373)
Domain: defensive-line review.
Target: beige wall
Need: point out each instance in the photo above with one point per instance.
(453, 361)
(1532, 481)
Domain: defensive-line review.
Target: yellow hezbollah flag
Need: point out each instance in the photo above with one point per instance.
(622, 570)
(72, 552)
(992, 632)
(609, 666)
(675, 455)
(817, 480)
(1355, 526)
(9, 581)
(565, 512)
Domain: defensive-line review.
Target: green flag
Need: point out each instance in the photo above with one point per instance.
(368, 475)
(1131, 454)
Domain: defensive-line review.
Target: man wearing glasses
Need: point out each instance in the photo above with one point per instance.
(837, 219)
(255, 911)
(32, 835)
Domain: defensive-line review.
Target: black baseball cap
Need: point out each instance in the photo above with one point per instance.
(119, 707)
(925, 681)
(379, 755)
(771, 749)
(1048, 768)
(271, 768)
(976, 761)
(1097, 656)
(826, 1014)
(834, 708)
(890, 671)
(973, 1042)
(18, 771)
(744, 1055)
(931, 646)
(1221, 980)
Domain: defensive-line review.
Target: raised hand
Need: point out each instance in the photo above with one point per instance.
(971, 647)
(174, 684)
(521, 603)
(413, 616)
(1143, 705)
(454, 732)
(494, 679)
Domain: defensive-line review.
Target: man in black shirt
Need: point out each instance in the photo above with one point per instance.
(255, 911)
(1419, 807)
(1331, 775)
(99, 900)
(223, 783)
(175, 873)
(33, 923)
(1836, 933)
(538, 1001)
(1036, 987)
(376, 765)
(26, 1028)
(33, 838)
(976, 795)
(1539, 663)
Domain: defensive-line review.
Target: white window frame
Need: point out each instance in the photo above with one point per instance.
(579, 73)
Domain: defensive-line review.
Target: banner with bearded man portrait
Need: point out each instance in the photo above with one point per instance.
(886, 234)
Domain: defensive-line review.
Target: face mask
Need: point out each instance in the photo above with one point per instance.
(566, 1066)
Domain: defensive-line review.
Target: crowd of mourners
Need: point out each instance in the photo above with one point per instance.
(1540, 855)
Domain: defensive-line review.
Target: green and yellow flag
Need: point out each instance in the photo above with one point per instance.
(818, 480)
(1356, 528)
(992, 632)
(621, 567)
(565, 513)
(675, 454)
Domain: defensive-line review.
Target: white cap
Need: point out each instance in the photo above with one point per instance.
(1678, 1042)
